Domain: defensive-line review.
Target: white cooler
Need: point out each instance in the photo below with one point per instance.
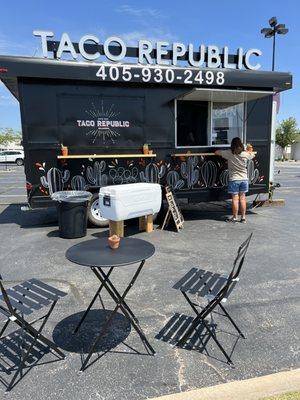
(120, 202)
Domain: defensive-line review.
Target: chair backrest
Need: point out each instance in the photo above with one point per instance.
(239, 260)
(5, 298)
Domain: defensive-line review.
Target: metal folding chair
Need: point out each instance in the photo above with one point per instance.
(20, 301)
(214, 287)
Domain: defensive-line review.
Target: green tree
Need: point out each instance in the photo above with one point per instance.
(286, 133)
(9, 135)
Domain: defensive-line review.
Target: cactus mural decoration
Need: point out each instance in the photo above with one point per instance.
(131, 175)
(95, 174)
(209, 173)
(190, 172)
(253, 173)
(55, 180)
(117, 175)
(152, 173)
(224, 177)
(78, 182)
(173, 180)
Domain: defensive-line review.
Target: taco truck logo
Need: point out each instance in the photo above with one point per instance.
(104, 123)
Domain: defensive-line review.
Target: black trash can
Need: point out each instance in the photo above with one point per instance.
(72, 212)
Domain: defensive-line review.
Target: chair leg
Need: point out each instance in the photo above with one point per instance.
(190, 303)
(213, 335)
(193, 326)
(22, 348)
(32, 331)
(24, 356)
(4, 327)
(188, 333)
(232, 321)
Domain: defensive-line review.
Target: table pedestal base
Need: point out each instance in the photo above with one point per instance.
(120, 304)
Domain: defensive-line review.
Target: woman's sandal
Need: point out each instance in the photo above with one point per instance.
(231, 219)
(243, 220)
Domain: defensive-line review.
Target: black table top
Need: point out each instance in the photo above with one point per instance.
(97, 253)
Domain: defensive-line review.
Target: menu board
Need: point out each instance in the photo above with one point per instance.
(173, 211)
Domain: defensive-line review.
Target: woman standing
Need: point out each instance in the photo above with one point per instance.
(238, 184)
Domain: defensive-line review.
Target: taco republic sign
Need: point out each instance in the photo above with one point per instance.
(102, 120)
(161, 53)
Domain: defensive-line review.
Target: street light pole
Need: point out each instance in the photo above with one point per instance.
(274, 29)
(273, 55)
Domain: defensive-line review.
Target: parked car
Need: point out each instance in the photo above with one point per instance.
(15, 156)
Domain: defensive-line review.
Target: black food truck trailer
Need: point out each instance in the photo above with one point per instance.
(105, 112)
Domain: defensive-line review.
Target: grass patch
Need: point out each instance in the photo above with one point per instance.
(285, 396)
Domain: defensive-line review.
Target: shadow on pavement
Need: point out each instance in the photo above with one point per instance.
(12, 350)
(81, 342)
(13, 214)
(199, 339)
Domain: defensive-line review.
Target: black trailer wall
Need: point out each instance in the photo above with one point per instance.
(258, 126)
(50, 111)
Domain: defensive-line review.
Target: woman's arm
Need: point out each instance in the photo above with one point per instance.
(249, 148)
(250, 151)
(218, 153)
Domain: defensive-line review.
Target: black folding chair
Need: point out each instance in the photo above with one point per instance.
(216, 288)
(20, 301)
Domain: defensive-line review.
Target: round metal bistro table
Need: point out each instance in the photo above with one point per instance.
(102, 260)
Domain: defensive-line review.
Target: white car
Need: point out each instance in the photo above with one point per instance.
(16, 156)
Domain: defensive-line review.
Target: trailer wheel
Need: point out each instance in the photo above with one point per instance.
(94, 215)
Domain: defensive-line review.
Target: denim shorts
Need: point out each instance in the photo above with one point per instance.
(235, 187)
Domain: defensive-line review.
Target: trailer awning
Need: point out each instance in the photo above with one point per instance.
(223, 95)
(13, 69)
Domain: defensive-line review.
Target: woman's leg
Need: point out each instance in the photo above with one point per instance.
(235, 205)
(243, 204)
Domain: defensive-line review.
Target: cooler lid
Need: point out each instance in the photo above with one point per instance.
(128, 188)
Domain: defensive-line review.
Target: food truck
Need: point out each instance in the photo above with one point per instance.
(151, 113)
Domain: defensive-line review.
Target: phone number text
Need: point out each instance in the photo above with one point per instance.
(160, 75)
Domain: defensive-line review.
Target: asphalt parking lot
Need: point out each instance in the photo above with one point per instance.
(265, 302)
(12, 184)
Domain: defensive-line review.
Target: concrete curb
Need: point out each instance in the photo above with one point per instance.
(248, 389)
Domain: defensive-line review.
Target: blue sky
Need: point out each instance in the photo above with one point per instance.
(232, 22)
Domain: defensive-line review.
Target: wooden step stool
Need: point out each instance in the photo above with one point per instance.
(117, 227)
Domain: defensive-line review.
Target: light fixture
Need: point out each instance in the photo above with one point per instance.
(273, 21)
(282, 31)
(266, 31)
(271, 32)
